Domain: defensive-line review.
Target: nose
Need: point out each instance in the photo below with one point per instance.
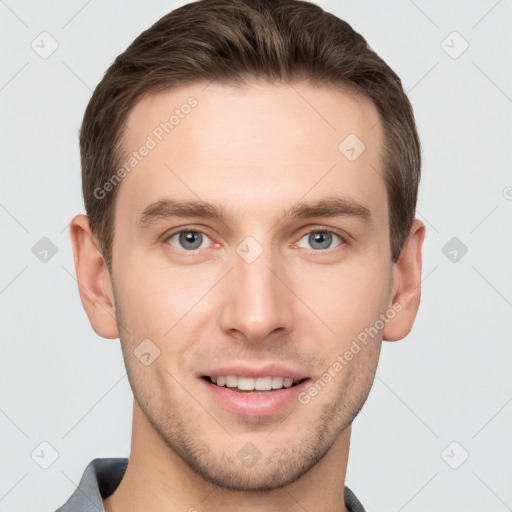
(256, 302)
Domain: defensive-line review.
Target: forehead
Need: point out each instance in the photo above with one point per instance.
(248, 146)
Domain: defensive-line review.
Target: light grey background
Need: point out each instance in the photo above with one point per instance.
(448, 381)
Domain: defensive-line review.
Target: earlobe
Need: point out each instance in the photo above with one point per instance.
(94, 281)
(407, 287)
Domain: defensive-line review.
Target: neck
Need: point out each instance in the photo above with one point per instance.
(157, 479)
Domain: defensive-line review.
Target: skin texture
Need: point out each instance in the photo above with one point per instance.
(258, 150)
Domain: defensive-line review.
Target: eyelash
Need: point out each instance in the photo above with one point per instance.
(316, 230)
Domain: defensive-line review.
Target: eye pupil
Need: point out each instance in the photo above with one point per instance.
(324, 238)
(190, 237)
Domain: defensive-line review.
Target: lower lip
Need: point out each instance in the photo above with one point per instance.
(265, 403)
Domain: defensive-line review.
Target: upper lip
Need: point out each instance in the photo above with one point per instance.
(267, 370)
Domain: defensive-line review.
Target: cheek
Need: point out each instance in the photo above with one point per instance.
(152, 300)
(348, 298)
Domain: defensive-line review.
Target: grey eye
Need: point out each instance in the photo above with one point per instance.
(320, 239)
(189, 240)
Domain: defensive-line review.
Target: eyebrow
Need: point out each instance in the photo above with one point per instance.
(331, 206)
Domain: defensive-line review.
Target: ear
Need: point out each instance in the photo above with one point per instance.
(406, 285)
(94, 281)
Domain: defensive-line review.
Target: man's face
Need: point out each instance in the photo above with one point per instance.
(256, 293)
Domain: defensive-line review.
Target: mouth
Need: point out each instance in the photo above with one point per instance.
(253, 385)
(263, 393)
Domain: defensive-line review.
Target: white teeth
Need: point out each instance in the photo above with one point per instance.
(287, 383)
(263, 383)
(250, 384)
(245, 383)
(231, 381)
(277, 382)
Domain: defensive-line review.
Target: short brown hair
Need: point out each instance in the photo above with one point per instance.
(234, 41)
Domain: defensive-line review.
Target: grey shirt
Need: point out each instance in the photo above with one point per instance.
(102, 476)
